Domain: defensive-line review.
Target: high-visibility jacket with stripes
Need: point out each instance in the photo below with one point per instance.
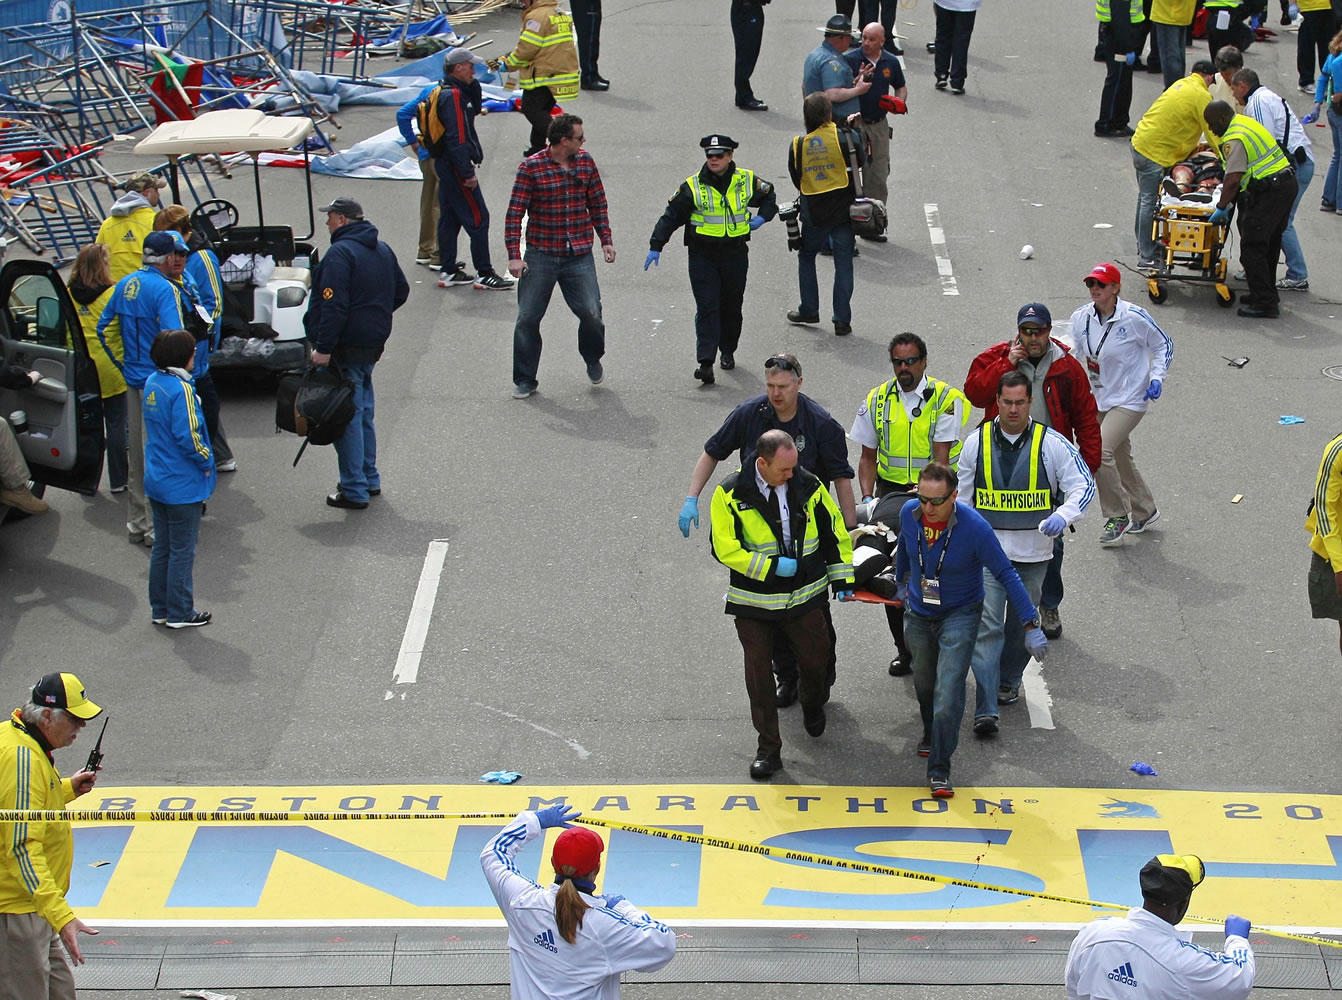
(1265, 155)
(1104, 10)
(749, 543)
(717, 215)
(904, 446)
(546, 54)
(1017, 502)
(35, 858)
(1325, 516)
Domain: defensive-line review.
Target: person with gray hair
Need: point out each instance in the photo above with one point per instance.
(36, 858)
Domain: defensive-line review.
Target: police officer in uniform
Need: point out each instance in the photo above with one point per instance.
(713, 206)
(822, 451)
(902, 425)
(1260, 180)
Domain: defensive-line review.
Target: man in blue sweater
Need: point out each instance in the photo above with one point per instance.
(944, 548)
(428, 192)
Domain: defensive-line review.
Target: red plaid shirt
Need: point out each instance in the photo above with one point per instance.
(563, 207)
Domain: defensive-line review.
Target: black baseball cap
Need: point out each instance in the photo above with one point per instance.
(66, 691)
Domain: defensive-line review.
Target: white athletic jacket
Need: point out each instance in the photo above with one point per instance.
(1142, 956)
(544, 965)
(1129, 350)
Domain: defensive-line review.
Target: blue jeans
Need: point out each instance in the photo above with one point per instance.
(118, 458)
(840, 239)
(1169, 43)
(942, 649)
(356, 448)
(999, 653)
(1149, 174)
(1050, 595)
(1296, 268)
(176, 527)
(1332, 183)
(576, 277)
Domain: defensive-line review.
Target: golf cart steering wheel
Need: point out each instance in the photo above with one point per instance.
(214, 218)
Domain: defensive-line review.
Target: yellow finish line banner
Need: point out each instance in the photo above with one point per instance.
(1274, 857)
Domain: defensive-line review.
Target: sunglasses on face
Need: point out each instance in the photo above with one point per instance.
(782, 364)
(934, 501)
(906, 362)
(1032, 331)
(1095, 283)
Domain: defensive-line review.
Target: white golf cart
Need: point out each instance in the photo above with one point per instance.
(267, 274)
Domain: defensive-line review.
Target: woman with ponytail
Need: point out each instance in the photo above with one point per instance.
(564, 939)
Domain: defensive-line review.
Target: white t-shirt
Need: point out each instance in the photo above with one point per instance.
(610, 941)
(1068, 474)
(1140, 955)
(947, 426)
(1121, 355)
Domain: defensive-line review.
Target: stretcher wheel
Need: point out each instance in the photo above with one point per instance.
(1157, 292)
(1225, 297)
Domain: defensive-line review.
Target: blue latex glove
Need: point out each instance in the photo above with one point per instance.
(756, 221)
(1312, 117)
(1036, 643)
(867, 499)
(787, 566)
(1220, 217)
(560, 815)
(689, 513)
(422, 153)
(1053, 525)
(653, 257)
(1153, 390)
(902, 592)
(612, 898)
(1237, 925)
(1130, 58)
(844, 595)
(1293, 10)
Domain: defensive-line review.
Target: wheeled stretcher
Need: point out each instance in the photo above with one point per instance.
(1191, 246)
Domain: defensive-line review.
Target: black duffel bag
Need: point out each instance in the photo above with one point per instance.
(316, 404)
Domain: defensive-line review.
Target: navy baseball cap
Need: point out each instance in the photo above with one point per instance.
(1034, 312)
(158, 245)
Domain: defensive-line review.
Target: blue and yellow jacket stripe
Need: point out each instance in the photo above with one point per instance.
(35, 858)
(178, 463)
(748, 544)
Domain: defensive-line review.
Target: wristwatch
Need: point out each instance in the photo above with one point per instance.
(1032, 623)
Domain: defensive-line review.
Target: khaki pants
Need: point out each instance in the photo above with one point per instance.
(33, 960)
(138, 521)
(13, 469)
(1123, 491)
(428, 211)
(877, 170)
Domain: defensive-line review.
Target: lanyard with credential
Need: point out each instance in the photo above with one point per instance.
(945, 540)
(1095, 351)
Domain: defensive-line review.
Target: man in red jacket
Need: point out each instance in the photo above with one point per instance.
(1061, 399)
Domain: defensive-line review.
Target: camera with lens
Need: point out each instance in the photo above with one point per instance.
(790, 213)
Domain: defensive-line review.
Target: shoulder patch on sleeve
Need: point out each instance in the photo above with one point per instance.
(328, 292)
(764, 187)
(862, 410)
(533, 26)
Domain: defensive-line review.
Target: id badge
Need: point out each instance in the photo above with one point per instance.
(931, 592)
(204, 314)
(1093, 371)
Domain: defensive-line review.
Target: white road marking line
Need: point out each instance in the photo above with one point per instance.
(417, 628)
(1037, 698)
(582, 752)
(938, 237)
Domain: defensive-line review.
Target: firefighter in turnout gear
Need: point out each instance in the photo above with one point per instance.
(713, 206)
(546, 61)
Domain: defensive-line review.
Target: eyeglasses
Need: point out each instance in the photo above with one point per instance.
(906, 362)
(1032, 331)
(715, 156)
(1095, 283)
(579, 139)
(1003, 404)
(782, 364)
(934, 501)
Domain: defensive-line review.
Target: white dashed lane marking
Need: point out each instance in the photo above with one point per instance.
(943, 256)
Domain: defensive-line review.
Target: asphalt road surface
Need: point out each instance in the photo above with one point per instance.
(577, 637)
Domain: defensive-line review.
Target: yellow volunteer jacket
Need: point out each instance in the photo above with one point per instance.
(546, 55)
(124, 237)
(1325, 520)
(1178, 12)
(109, 376)
(1172, 127)
(34, 857)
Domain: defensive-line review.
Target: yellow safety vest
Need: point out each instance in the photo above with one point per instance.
(110, 379)
(820, 160)
(1135, 14)
(904, 446)
(714, 215)
(1265, 155)
(1026, 498)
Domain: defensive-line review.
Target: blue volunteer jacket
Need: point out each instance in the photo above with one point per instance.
(146, 303)
(972, 548)
(405, 117)
(202, 267)
(358, 285)
(178, 463)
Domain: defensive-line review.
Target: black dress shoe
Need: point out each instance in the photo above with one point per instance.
(878, 238)
(1256, 312)
(900, 665)
(704, 373)
(765, 766)
(786, 694)
(894, 50)
(842, 329)
(338, 499)
(597, 84)
(728, 361)
(813, 720)
(754, 104)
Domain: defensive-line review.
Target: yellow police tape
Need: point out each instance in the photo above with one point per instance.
(158, 816)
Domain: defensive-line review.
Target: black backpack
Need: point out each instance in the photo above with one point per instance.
(316, 404)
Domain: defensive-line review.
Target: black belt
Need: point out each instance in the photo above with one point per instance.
(873, 121)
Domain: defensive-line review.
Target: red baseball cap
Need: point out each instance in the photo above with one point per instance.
(1107, 273)
(578, 848)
